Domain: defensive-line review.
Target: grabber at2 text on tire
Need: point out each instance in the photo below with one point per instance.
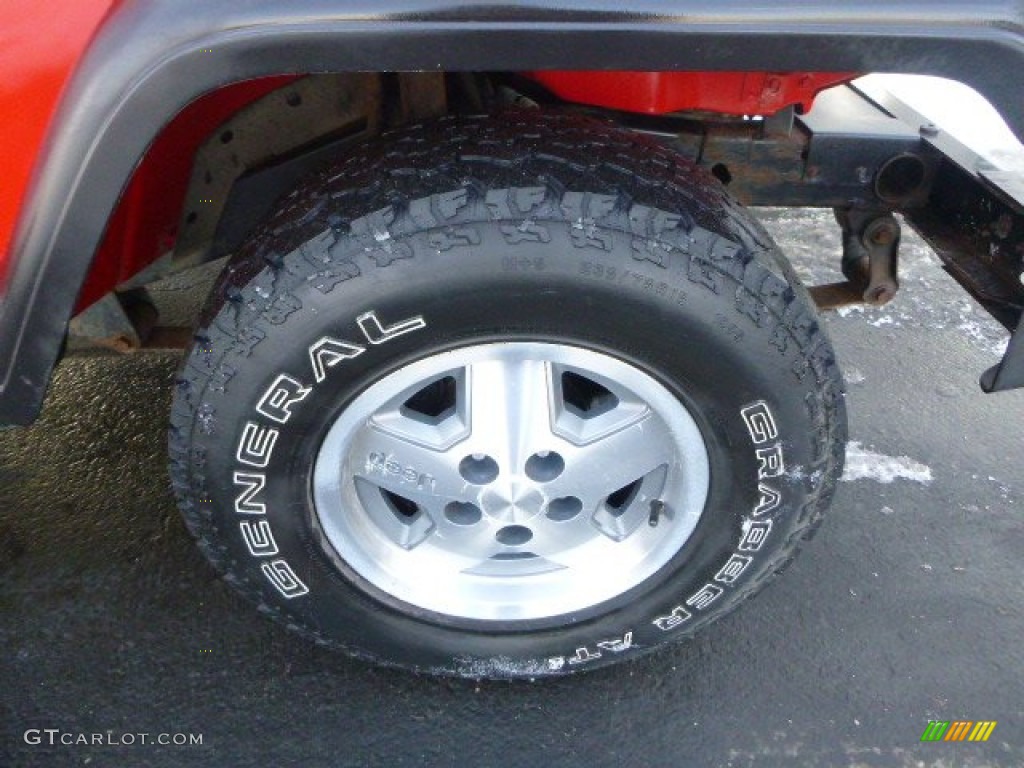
(506, 396)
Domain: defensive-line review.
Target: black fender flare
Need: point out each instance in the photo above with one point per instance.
(153, 57)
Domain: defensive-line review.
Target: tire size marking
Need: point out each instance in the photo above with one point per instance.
(730, 328)
(628, 277)
(523, 263)
(258, 440)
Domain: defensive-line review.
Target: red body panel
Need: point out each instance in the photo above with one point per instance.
(40, 44)
(656, 93)
(145, 225)
(39, 50)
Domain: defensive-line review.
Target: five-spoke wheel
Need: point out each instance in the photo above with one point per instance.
(511, 481)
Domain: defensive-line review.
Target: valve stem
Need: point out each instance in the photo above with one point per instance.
(657, 507)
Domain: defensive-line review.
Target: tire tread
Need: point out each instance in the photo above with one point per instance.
(496, 169)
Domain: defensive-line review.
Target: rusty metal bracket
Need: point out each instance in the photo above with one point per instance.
(871, 240)
(974, 221)
(119, 322)
(836, 295)
(125, 322)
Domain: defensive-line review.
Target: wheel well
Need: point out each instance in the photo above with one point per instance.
(219, 166)
(170, 205)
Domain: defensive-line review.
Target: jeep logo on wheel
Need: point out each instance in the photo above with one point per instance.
(385, 465)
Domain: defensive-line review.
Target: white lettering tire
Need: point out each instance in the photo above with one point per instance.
(506, 397)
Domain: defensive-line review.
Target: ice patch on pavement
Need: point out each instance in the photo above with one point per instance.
(864, 464)
(853, 376)
(501, 667)
(993, 342)
(928, 299)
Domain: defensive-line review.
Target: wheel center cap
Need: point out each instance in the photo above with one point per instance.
(516, 502)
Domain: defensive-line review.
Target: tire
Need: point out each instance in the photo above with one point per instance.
(658, 415)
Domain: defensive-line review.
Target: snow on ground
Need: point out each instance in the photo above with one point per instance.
(864, 464)
(927, 300)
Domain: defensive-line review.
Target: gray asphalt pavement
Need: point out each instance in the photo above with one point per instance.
(907, 607)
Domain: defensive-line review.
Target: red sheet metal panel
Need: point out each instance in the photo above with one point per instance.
(40, 44)
(655, 93)
(145, 224)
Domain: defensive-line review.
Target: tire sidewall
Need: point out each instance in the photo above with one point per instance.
(727, 368)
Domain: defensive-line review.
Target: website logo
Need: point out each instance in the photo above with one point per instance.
(958, 730)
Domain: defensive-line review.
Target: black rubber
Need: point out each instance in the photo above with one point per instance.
(520, 226)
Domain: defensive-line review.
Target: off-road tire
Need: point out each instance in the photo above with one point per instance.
(518, 228)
